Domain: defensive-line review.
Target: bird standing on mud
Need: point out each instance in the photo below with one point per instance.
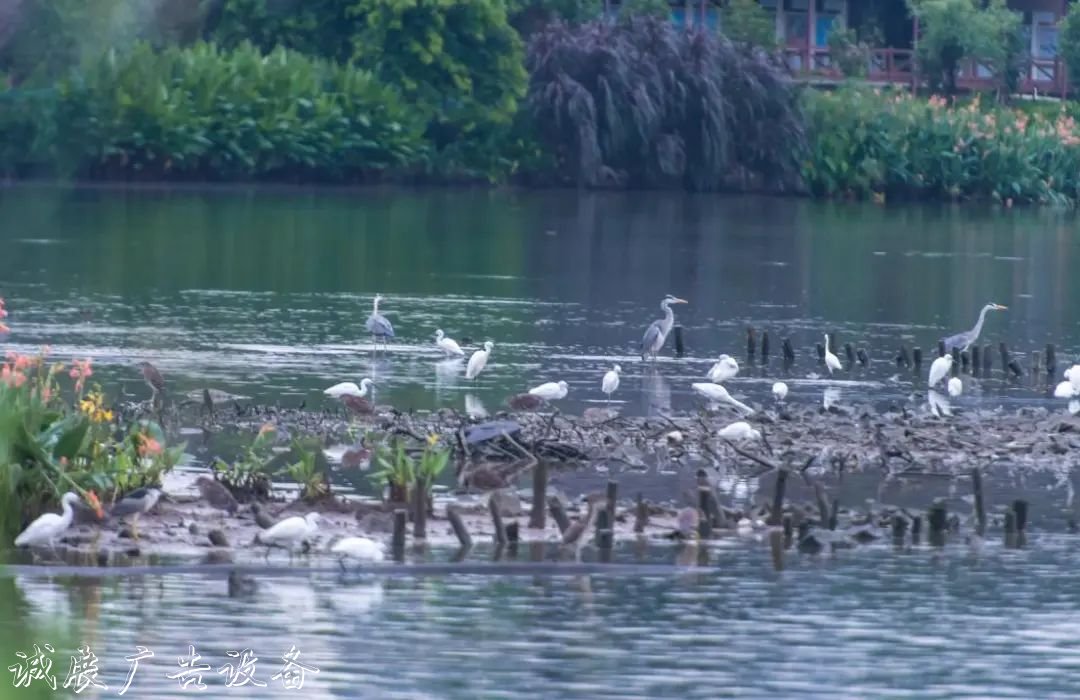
(550, 391)
(135, 504)
(963, 341)
(611, 382)
(289, 532)
(939, 368)
(378, 325)
(716, 393)
(657, 332)
(154, 380)
(216, 494)
(352, 396)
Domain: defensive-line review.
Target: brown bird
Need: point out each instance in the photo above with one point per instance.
(262, 518)
(215, 493)
(578, 533)
(356, 405)
(525, 402)
(154, 380)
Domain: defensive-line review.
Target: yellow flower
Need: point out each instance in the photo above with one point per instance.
(432, 438)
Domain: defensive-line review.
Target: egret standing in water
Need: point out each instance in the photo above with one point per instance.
(657, 332)
(955, 386)
(478, 361)
(49, 526)
(611, 382)
(718, 394)
(779, 391)
(289, 532)
(939, 368)
(378, 325)
(358, 549)
(725, 368)
(448, 345)
(965, 340)
(550, 391)
(832, 362)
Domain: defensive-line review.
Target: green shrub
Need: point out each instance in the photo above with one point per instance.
(747, 22)
(529, 16)
(203, 112)
(660, 9)
(864, 142)
(323, 28)
(641, 103)
(1069, 41)
(851, 57)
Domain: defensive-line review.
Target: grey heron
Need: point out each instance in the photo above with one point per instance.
(378, 325)
(135, 504)
(965, 340)
(657, 332)
(448, 345)
(611, 381)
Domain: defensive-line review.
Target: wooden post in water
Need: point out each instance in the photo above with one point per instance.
(937, 517)
(513, 533)
(941, 348)
(706, 520)
(538, 512)
(680, 349)
(834, 514)
(916, 529)
(776, 517)
(458, 523)
(789, 352)
(1003, 349)
(496, 520)
(899, 529)
(419, 508)
(916, 359)
(850, 353)
(976, 361)
(965, 362)
(397, 540)
(988, 361)
(612, 495)
(980, 502)
(1020, 507)
(1015, 368)
(641, 514)
(1036, 366)
(789, 532)
(820, 351)
(864, 359)
(558, 513)
(751, 343)
(764, 347)
(1010, 528)
(1051, 359)
(604, 535)
(955, 371)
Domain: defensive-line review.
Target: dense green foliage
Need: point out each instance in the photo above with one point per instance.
(529, 16)
(323, 28)
(642, 103)
(954, 30)
(206, 113)
(1069, 40)
(660, 9)
(747, 22)
(865, 142)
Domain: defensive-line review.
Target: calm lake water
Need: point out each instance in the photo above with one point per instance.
(873, 623)
(264, 293)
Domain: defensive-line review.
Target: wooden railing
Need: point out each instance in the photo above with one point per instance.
(1045, 76)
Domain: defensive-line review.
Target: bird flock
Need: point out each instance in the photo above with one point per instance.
(652, 343)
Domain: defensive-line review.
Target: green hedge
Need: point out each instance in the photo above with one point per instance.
(864, 142)
(202, 112)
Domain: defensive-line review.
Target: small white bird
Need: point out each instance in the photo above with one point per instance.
(358, 549)
(550, 391)
(349, 389)
(1073, 375)
(832, 362)
(718, 394)
(448, 345)
(611, 381)
(955, 386)
(289, 532)
(47, 527)
(739, 431)
(779, 391)
(1065, 390)
(725, 368)
(478, 360)
(939, 368)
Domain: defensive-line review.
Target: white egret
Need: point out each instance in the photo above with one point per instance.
(478, 361)
(725, 368)
(657, 332)
(739, 431)
(1065, 390)
(289, 532)
(1073, 375)
(448, 345)
(955, 386)
(939, 368)
(832, 362)
(718, 394)
(965, 340)
(378, 325)
(550, 391)
(49, 526)
(779, 391)
(352, 396)
(358, 549)
(611, 381)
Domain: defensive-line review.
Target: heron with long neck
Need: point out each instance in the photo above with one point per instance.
(378, 325)
(657, 332)
(965, 340)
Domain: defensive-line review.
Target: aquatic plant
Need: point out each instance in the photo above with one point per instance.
(248, 477)
(643, 103)
(866, 142)
(306, 471)
(400, 472)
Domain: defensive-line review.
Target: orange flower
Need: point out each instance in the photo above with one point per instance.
(149, 447)
(266, 428)
(4, 328)
(92, 499)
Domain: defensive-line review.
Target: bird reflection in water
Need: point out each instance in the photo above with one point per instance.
(655, 393)
(939, 404)
(474, 407)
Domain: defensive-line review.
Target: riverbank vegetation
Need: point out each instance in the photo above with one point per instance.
(526, 91)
